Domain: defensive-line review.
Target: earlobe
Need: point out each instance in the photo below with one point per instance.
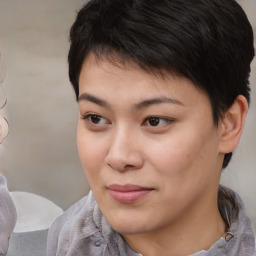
(232, 124)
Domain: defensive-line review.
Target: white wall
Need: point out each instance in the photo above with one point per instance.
(40, 153)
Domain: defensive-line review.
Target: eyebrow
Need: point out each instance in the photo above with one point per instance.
(140, 105)
(160, 100)
(91, 98)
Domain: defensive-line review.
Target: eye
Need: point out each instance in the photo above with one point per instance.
(95, 119)
(155, 121)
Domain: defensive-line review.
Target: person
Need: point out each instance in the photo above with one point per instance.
(8, 215)
(163, 92)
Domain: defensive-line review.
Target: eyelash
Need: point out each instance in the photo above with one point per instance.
(158, 119)
(146, 122)
(89, 117)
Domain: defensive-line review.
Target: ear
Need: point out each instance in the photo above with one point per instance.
(232, 124)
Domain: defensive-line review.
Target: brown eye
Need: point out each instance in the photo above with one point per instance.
(157, 122)
(95, 119)
(154, 121)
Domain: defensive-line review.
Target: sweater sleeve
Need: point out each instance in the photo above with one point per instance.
(8, 216)
(65, 227)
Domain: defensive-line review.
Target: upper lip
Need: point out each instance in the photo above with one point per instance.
(127, 187)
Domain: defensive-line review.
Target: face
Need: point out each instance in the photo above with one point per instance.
(148, 146)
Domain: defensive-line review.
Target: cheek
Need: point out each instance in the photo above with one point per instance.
(171, 150)
(184, 151)
(91, 152)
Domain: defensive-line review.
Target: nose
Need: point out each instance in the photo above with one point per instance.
(124, 152)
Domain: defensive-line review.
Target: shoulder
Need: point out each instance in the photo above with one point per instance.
(83, 228)
(73, 214)
(71, 223)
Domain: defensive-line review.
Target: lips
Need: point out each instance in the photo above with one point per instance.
(126, 194)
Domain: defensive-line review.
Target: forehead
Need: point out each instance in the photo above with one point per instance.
(127, 80)
(119, 64)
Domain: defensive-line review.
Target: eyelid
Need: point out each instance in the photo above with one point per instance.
(167, 120)
(90, 123)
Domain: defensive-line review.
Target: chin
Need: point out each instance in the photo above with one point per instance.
(127, 219)
(129, 225)
(128, 229)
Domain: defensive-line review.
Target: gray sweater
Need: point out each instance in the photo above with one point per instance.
(83, 230)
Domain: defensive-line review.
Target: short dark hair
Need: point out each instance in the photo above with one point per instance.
(209, 42)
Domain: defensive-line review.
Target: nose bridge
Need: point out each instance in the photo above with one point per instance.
(124, 152)
(120, 139)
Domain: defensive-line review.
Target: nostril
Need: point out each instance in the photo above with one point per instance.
(121, 166)
(129, 166)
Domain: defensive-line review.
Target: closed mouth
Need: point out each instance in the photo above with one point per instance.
(128, 193)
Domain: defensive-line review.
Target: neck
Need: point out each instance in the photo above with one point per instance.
(194, 231)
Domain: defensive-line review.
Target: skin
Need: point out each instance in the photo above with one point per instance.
(178, 155)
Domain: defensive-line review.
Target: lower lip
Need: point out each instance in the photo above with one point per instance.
(126, 197)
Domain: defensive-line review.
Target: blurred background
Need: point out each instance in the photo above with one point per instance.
(40, 154)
